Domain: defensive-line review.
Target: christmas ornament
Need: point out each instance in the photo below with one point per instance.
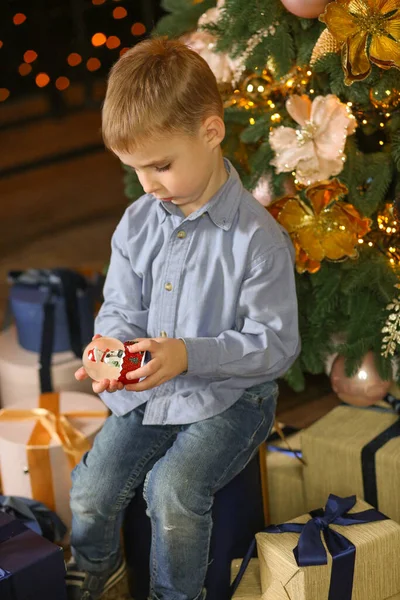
(386, 237)
(263, 191)
(308, 10)
(364, 388)
(367, 31)
(386, 100)
(258, 86)
(315, 149)
(109, 358)
(326, 44)
(294, 82)
(323, 227)
(391, 339)
(204, 43)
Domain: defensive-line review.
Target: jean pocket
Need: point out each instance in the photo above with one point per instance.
(262, 393)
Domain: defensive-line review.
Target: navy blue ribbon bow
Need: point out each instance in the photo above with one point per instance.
(310, 550)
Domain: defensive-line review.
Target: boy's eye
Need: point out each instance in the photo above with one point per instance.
(161, 169)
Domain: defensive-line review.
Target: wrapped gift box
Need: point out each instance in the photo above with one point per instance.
(32, 568)
(285, 481)
(44, 473)
(376, 568)
(250, 586)
(19, 372)
(332, 449)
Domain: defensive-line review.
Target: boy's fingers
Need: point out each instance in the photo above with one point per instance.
(100, 386)
(114, 385)
(96, 336)
(81, 374)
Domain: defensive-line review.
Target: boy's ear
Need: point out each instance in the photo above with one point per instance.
(213, 131)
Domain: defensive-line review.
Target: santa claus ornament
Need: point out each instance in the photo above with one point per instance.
(109, 358)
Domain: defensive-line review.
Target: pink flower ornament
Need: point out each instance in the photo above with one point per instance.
(315, 149)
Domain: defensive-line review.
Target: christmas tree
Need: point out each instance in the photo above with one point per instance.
(312, 109)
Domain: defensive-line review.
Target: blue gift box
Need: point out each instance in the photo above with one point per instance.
(31, 567)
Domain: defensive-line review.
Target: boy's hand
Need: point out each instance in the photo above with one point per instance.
(168, 360)
(99, 386)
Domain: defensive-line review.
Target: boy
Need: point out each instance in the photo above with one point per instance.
(202, 276)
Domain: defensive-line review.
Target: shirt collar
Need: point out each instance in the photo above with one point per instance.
(221, 208)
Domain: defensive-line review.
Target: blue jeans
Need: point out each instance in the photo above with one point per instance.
(184, 466)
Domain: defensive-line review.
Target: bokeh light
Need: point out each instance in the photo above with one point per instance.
(4, 94)
(30, 56)
(42, 79)
(24, 69)
(19, 18)
(138, 29)
(93, 64)
(74, 59)
(113, 42)
(62, 83)
(99, 39)
(119, 12)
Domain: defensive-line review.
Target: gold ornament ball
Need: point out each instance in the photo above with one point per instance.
(362, 389)
(257, 87)
(326, 44)
(386, 100)
(311, 9)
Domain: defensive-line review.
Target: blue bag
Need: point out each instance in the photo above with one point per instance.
(53, 311)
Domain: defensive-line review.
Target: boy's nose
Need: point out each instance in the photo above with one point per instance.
(149, 186)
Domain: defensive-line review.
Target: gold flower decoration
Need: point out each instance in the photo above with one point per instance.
(325, 227)
(366, 30)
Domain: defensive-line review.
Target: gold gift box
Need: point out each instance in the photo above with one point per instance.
(250, 587)
(285, 482)
(376, 570)
(332, 453)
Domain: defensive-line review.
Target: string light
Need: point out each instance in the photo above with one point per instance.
(251, 121)
(119, 12)
(74, 59)
(1, 44)
(113, 42)
(24, 69)
(123, 50)
(30, 56)
(98, 39)
(93, 64)
(62, 83)
(98, 2)
(19, 18)
(42, 79)
(4, 94)
(138, 29)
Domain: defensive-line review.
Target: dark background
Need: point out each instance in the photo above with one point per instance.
(61, 192)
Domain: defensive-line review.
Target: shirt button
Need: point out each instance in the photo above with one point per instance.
(181, 234)
(168, 287)
(163, 333)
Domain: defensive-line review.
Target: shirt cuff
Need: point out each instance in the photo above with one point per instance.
(202, 355)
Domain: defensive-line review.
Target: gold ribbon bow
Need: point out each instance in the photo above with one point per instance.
(50, 425)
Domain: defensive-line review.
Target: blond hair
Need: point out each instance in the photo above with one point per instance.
(157, 87)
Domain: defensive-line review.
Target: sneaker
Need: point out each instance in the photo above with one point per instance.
(86, 586)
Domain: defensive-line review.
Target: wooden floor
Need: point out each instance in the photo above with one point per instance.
(63, 214)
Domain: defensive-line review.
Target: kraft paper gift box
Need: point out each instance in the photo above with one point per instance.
(19, 372)
(373, 570)
(31, 567)
(285, 480)
(39, 447)
(250, 586)
(340, 458)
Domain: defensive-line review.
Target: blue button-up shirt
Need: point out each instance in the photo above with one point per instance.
(222, 279)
